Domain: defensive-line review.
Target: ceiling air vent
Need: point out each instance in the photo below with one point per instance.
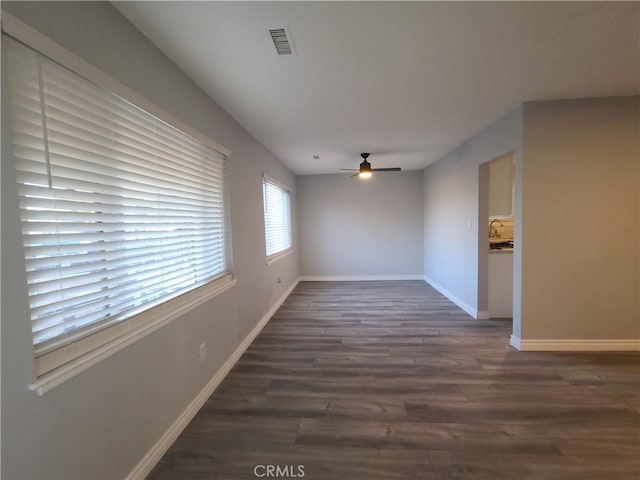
(282, 40)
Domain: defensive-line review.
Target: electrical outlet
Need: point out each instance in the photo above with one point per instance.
(203, 351)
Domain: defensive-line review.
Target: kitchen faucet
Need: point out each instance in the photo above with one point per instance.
(493, 231)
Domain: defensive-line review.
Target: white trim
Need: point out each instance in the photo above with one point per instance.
(271, 259)
(482, 315)
(43, 44)
(605, 345)
(278, 183)
(463, 305)
(358, 278)
(153, 456)
(173, 309)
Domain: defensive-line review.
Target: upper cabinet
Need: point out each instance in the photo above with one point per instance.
(501, 184)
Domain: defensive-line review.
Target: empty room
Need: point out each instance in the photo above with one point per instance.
(323, 240)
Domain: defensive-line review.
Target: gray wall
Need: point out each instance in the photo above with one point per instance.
(576, 211)
(352, 227)
(581, 246)
(101, 423)
(456, 207)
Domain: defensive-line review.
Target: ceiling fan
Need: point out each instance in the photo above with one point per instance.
(365, 168)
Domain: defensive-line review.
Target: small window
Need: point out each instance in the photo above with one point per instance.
(120, 211)
(277, 218)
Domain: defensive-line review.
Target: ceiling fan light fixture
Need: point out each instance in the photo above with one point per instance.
(365, 169)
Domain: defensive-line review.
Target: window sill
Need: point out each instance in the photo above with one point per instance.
(176, 308)
(278, 256)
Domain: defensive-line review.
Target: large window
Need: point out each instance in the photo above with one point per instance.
(277, 218)
(120, 211)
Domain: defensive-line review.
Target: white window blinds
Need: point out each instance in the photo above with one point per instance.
(277, 218)
(120, 211)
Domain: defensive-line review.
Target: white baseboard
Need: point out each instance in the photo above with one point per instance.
(482, 315)
(463, 305)
(575, 345)
(358, 278)
(153, 456)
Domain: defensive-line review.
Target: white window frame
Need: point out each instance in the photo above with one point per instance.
(275, 256)
(158, 316)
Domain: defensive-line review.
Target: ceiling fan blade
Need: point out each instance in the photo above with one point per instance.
(365, 168)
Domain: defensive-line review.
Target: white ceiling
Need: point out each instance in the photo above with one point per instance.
(407, 82)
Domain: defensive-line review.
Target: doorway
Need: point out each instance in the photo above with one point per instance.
(496, 237)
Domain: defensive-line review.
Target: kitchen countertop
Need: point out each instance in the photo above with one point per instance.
(502, 250)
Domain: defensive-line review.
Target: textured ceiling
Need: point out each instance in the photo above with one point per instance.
(407, 82)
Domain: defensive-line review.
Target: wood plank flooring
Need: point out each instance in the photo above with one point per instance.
(389, 380)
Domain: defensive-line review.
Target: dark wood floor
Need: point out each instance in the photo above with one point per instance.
(389, 380)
